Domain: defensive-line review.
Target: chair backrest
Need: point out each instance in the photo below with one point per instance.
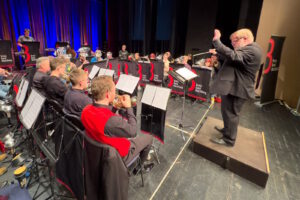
(74, 119)
(56, 106)
(106, 176)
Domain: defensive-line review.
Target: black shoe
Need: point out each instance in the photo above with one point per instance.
(222, 141)
(148, 167)
(221, 130)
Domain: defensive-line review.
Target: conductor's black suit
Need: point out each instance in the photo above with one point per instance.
(235, 82)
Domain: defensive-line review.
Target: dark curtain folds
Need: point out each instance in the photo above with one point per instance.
(75, 21)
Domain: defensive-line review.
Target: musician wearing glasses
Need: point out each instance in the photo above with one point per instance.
(235, 79)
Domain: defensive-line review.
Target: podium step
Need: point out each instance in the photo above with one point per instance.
(248, 158)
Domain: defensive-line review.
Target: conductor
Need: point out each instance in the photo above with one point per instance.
(235, 79)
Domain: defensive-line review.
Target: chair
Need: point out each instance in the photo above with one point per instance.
(106, 175)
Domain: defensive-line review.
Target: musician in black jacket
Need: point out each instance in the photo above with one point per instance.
(235, 79)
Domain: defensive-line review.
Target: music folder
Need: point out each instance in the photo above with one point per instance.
(183, 74)
(106, 72)
(127, 83)
(32, 109)
(153, 114)
(93, 72)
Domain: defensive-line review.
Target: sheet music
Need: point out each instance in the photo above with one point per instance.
(31, 109)
(107, 72)
(22, 92)
(186, 73)
(156, 96)
(93, 72)
(149, 94)
(127, 83)
(161, 98)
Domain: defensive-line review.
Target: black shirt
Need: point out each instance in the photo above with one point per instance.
(55, 89)
(75, 100)
(38, 81)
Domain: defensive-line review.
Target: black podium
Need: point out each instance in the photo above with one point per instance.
(31, 52)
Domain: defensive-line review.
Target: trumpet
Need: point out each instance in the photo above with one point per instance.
(117, 103)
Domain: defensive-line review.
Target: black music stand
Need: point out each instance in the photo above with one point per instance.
(153, 114)
(22, 92)
(6, 56)
(183, 75)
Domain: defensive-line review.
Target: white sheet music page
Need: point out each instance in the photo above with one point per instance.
(127, 83)
(161, 98)
(93, 72)
(109, 72)
(106, 72)
(22, 92)
(101, 72)
(32, 109)
(186, 73)
(149, 94)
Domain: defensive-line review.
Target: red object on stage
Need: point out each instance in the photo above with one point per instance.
(218, 99)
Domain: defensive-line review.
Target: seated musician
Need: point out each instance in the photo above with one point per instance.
(123, 53)
(3, 88)
(75, 99)
(166, 68)
(185, 62)
(43, 67)
(97, 57)
(104, 126)
(54, 86)
(109, 55)
(82, 60)
(137, 57)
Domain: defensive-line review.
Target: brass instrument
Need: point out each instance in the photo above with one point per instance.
(118, 104)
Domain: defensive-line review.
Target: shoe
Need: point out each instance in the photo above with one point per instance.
(3, 156)
(221, 130)
(148, 167)
(221, 141)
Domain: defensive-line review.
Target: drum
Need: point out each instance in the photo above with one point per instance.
(20, 175)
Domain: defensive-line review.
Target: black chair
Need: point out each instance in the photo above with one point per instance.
(106, 175)
(74, 119)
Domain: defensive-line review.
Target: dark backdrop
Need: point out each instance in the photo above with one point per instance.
(145, 26)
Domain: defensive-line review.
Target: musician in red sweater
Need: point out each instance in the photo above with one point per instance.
(105, 126)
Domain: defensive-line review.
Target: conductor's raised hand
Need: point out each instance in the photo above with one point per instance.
(217, 34)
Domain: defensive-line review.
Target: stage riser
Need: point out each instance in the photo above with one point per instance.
(258, 177)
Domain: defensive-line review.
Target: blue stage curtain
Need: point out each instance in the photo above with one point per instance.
(75, 21)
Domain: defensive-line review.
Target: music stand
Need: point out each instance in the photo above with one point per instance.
(6, 56)
(153, 114)
(127, 83)
(22, 92)
(32, 109)
(93, 72)
(183, 75)
(106, 72)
